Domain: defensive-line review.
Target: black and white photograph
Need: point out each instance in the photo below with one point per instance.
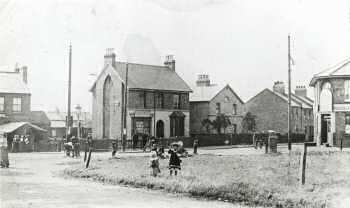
(175, 104)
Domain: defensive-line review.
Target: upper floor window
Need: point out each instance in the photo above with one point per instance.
(347, 90)
(176, 101)
(160, 100)
(218, 108)
(227, 99)
(234, 109)
(17, 104)
(2, 104)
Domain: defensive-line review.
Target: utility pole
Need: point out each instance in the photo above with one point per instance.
(154, 113)
(68, 118)
(289, 97)
(124, 129)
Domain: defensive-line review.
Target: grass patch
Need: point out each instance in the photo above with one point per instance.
(254, 180)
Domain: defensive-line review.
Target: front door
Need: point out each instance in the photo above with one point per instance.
(325, 128)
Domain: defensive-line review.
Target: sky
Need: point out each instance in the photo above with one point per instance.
(238, 42)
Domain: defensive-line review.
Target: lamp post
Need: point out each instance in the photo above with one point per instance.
(78, 109)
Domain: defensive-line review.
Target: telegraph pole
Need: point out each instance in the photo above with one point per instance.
(68, 118)
(124, 133)
(289, 97)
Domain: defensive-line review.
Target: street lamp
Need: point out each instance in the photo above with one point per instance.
(78, 109)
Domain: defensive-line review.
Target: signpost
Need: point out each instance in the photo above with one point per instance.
(303, 161)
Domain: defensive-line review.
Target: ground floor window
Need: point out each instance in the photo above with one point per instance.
(141, 125)
(177, 124)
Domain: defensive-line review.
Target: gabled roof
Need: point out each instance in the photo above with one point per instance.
(296, 101)
(342, 69)
(12, 82)
(10, 127)
(207, 93)
(39, 117)
(150, 77)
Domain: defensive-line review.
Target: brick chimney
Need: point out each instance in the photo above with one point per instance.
(109, 57)
(203, 80)
(24, 73)
(301, 91)
(279, 87)
(170, 62)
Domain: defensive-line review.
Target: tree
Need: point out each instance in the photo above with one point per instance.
(248, 123)
(206, 123)
(221, 121)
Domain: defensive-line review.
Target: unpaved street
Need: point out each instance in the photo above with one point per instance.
(31, 181)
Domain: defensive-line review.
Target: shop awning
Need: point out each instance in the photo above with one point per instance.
(10, 127)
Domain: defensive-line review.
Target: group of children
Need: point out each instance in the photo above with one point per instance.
(174, 161)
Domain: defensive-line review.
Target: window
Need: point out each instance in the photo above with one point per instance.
(176, 101)
(53, 133)
(2, 104)
(17, 105)
(347, 90)
(177, 126)
(160, 100)
(234, 111)
(227, 99)
(218, 108)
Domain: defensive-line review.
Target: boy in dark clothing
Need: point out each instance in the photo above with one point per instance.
(174, 161)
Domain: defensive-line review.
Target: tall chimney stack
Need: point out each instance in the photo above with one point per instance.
(203, 80)
(24, 73)
(109, 57)
(279, 87)
(170, 62)
(301, 91)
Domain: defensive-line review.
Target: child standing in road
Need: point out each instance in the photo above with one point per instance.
(154, 164)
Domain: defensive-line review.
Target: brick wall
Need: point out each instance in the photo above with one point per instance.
(136, 99)
(270, 111)
(199, 112)
(16, 116)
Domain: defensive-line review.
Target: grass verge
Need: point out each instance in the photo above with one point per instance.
(253, 180)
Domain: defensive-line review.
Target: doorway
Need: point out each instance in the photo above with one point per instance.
(160, 129)
(325, 128)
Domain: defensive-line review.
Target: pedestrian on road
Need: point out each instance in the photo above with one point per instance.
(174, 161)
(154, 164)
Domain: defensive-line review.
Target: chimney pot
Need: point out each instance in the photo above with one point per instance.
(170, 62)
(109, 57)
(279, 87)
(203, 80)
(301, 91)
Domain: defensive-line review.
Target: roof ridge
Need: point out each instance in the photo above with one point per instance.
(338, 66)
(153, 65)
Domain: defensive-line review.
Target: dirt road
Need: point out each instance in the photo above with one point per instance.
(31, 182)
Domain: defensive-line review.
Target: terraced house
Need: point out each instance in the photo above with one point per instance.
(157, 101)
(270, 108)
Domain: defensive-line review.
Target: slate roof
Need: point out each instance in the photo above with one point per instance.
(12, 82)
(296, 101)
(342, 69)
(151, 77)
(207, 93)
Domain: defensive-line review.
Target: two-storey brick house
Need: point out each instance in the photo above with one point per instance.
(14, 95)
(208, 101)
(16, 117)
(270, 108)
(157, 100)
(332, 105)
